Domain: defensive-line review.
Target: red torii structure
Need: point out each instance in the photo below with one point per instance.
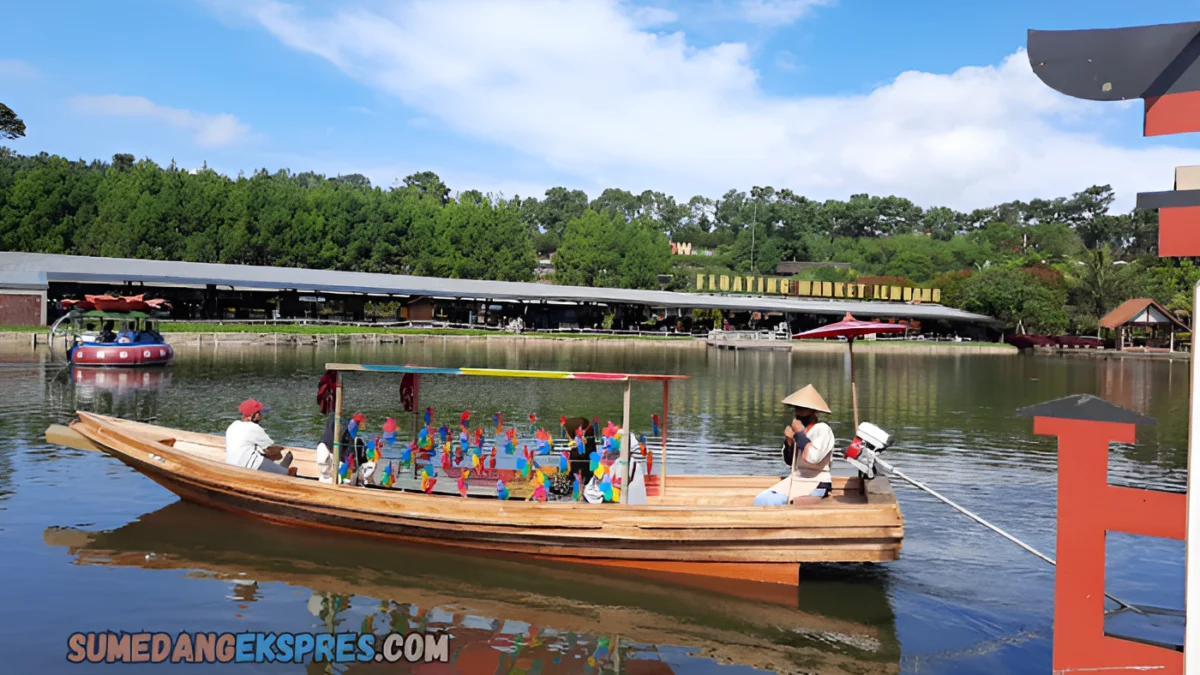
(1160, 65)
(1088, 508)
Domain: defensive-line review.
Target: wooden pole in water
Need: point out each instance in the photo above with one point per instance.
(625, 444)
(337, 431)
(853, 384)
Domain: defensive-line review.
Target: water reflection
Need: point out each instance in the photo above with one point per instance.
(121, 392)
(510, 614)
(955, 608)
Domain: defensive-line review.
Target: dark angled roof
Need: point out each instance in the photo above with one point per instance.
(83, 269)
(1085, 407)
(1116, 64)
(1130, 309)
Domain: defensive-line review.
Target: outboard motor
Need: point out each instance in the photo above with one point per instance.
(863, 451)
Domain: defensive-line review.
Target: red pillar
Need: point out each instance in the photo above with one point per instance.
(1088, 508)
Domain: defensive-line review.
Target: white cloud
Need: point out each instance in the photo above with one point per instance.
(647, 17)
(210, 130)
(580, 86)
(775, 12)
(15, 68)
(785, 60)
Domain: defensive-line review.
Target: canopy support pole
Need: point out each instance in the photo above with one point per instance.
(624, 461)
(416, 411)
(853, 383)
(337, 431)
(1191, 538)
(662, 463)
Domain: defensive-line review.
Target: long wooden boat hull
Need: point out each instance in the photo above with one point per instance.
(700, 525)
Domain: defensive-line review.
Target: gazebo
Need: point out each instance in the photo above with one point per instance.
(1148, 316)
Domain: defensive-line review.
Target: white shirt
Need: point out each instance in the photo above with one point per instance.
(324, 463)
(814, 461)
(244, 443)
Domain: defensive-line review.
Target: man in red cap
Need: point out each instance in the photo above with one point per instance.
(248, 446)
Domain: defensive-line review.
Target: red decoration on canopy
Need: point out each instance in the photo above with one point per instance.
(408, 392)
(326, 389)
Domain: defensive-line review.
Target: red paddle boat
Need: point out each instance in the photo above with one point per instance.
(100, 337)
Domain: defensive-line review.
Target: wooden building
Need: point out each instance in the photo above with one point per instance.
(1141, 324)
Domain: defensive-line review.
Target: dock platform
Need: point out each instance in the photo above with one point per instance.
(752, 345)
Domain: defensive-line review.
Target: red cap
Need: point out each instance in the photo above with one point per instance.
(249, 407)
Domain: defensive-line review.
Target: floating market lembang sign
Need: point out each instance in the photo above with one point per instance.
(817, 289)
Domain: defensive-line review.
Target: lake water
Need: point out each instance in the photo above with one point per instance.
(87, 544)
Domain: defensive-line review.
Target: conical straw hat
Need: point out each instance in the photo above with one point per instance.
(807, 398)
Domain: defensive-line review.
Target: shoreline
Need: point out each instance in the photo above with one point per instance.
(271, 338)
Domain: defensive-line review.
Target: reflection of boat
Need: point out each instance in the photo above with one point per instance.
(88, 380)
(698, 525)
(835, 626)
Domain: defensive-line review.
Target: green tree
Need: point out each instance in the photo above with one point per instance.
(603, 249)
(428, 184)
(482, 241)
(11, 126)
(1017, 298)
(587, 256)
(1103, 283)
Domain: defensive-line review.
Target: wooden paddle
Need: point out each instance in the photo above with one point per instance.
(58, 434)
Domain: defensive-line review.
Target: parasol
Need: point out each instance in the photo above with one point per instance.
(850, 328)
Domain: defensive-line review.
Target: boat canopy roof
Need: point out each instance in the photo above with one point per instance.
(500, 372)
(99, 314)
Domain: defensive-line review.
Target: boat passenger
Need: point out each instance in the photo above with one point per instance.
(127, 334)
(808, 450)
(248, 446)
(325, 453)
(148, 335)
(107, 334)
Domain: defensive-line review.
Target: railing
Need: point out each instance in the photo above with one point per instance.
(742, 335)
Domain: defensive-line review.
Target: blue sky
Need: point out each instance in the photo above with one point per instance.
(928, 99)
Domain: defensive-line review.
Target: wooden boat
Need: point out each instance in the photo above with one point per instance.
(699, 525)
(841, 623)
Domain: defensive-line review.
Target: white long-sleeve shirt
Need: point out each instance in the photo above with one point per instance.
(244, 443)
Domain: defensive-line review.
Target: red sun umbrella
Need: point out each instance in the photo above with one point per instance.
(850, 328)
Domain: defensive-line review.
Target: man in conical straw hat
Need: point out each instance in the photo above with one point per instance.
(807, 449)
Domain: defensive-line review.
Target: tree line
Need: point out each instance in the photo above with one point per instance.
(1044, 265)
